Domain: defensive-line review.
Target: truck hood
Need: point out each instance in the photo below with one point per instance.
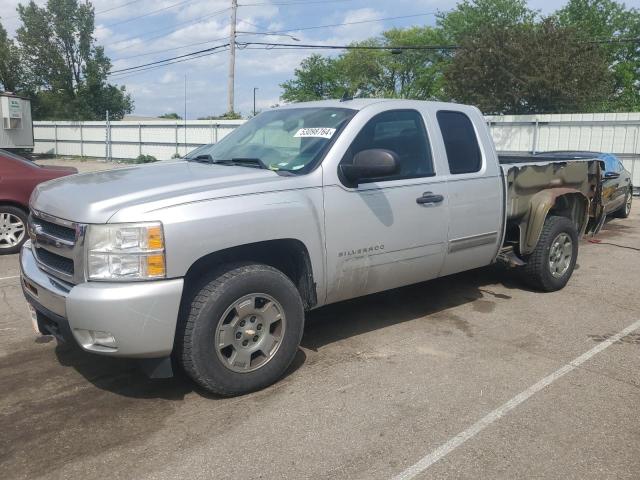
(96, 197)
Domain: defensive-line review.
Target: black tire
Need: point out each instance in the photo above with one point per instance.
(537, 272)
(5, 247)
(625, 210)
(203, 317)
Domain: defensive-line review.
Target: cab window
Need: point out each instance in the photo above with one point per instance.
(402, 132)
(460, 142)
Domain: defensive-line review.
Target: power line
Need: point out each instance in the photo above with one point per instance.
(373, 20)
(123, 76)
(169, 59)
(398, 48)
(152, 12)
(291, 3)
(170, 29)
(171, 49)
(118, 7)
(260, 33)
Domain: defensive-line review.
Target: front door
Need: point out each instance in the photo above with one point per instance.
(388, 232)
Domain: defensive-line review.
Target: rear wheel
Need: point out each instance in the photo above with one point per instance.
(551, 264)
(625, 210)
(13, 229)
(242, 329)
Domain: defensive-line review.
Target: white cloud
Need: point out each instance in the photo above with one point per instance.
(171, 32)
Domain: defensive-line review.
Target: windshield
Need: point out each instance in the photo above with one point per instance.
(290, 140)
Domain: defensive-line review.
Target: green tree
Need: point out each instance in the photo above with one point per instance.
(529, 68)
(65, 71)
(383, 71)
(224, 116)
(171, 116)
(472, 16)
(604, 20)
(317, 78)
(10, 67)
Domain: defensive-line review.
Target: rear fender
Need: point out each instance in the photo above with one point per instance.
(561, 201)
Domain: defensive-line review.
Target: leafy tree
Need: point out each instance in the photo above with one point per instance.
(224, 116)
(529, 68)
(10, 67)
(375, 72)
(471, 16)
(317, 78)
(603, 20)
(171, 116)
(65, 71)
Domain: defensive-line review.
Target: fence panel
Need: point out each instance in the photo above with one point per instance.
(618, 133)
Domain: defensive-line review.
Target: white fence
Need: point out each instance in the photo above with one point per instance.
(160, 138)
(617, 133)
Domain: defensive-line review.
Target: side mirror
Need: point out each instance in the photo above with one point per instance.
(611, 175)
(369, 164)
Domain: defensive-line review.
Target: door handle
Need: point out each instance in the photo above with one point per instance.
(429, 198)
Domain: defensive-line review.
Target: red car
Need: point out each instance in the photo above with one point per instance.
(18, 178)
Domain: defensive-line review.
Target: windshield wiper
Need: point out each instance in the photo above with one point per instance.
(243, 162)
(201, 159)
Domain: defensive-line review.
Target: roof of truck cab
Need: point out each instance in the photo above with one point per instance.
(359, 103)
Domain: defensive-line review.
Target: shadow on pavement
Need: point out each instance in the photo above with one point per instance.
(354, 317)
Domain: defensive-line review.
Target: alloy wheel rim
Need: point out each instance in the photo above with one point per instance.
(628, 204)
(560, 255)
(250, 332)
(12, 230)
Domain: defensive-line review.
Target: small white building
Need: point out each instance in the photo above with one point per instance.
(16, 128)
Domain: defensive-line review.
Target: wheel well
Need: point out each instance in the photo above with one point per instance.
(290, 256)
(13, 203)
(572, 206)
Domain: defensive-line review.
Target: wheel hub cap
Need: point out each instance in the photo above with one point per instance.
(250, 332)
(12, 230)
(560, 255)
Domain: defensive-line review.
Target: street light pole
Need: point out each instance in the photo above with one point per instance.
(232, 55)
(254, 100)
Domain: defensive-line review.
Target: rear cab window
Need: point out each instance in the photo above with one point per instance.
(460, 141)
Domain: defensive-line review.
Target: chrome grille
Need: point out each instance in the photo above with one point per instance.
(58, 231)
(56, 262)
(58, 246)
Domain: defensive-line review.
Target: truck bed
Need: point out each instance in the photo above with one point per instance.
(539, 181)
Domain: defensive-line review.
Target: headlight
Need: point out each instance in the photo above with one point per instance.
(126, 251)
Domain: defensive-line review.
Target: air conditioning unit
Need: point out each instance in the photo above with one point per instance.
(16, 126)
(12, 108)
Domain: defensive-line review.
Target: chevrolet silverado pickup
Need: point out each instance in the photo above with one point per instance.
(210, 263)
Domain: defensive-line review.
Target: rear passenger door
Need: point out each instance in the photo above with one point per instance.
(378, 235)
(476, 193)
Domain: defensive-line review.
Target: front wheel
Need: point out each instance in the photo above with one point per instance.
(13, 229)
(551, 264)
(242, 329)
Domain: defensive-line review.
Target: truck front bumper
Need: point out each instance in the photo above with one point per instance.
(136, 319)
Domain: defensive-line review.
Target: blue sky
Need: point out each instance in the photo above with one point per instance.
(144, 31)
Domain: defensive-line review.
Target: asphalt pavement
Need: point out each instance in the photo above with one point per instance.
(471, 376)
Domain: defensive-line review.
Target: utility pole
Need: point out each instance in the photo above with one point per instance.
(254, 100)
(186, 148)
(232, 55)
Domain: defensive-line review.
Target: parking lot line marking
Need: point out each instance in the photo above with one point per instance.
(9, 278)
(442, 451)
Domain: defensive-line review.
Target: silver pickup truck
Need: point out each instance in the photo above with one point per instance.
(210, 263)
